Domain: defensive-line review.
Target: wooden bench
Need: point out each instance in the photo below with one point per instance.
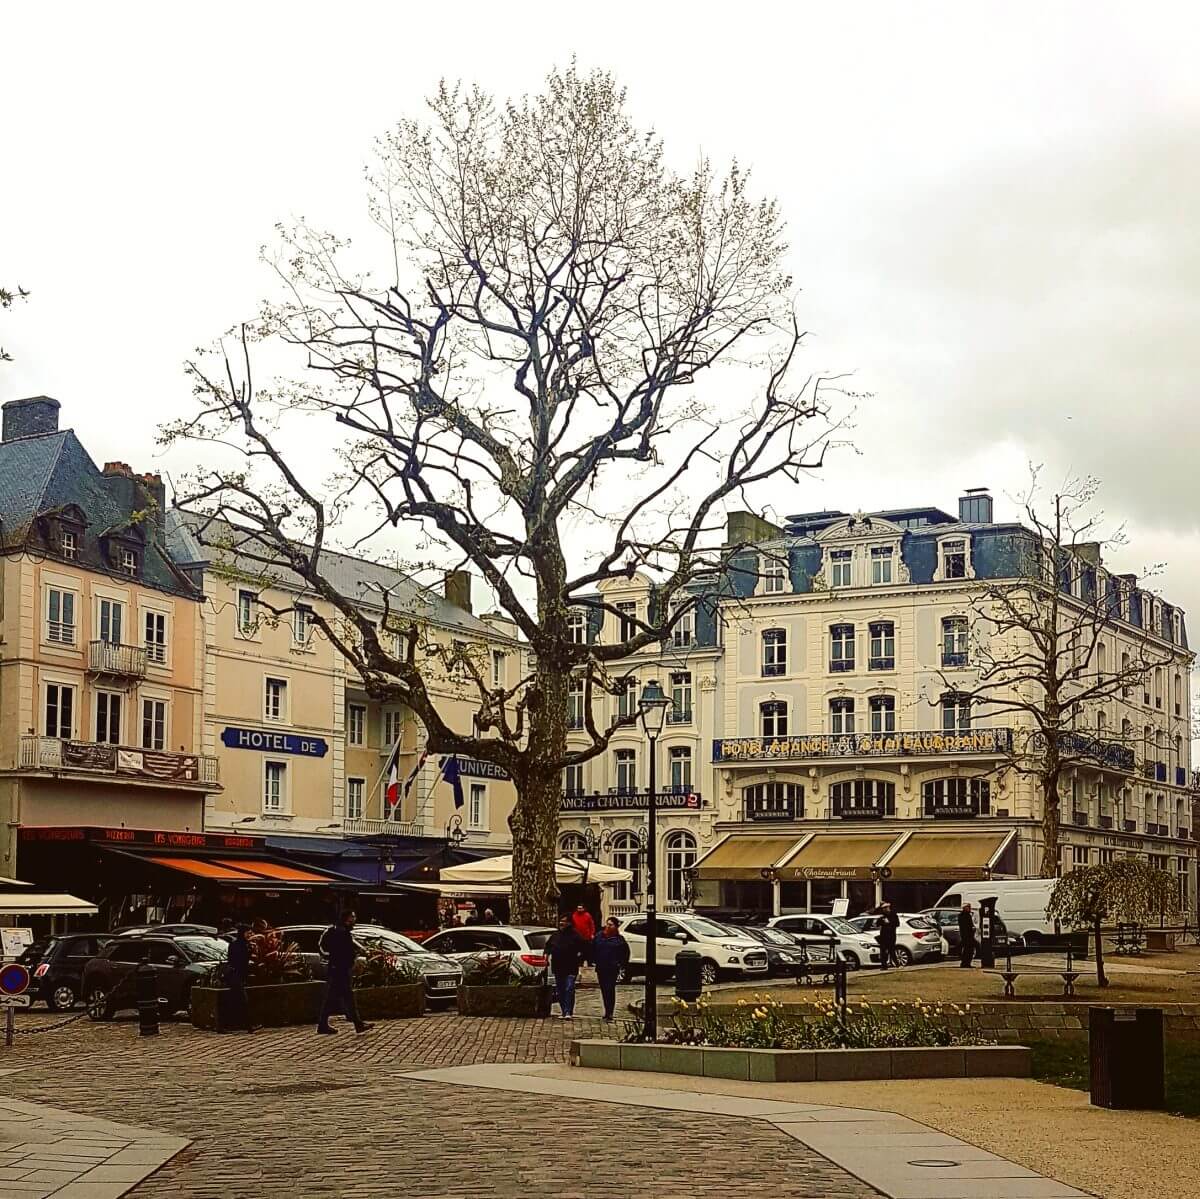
(1068, 974)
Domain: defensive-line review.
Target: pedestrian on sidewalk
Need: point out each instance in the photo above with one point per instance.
(585, 926)
(337, 943)
(966, 934)
(566, 949)
(237, 974)
(889, 922)
(610, 955)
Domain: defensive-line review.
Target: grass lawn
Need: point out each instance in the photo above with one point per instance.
(1065, 1063)
(947, 983)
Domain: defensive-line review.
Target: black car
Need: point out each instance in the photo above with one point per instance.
(57, 979)
(178, 963)
(442, 975)
(784, 955)
(32, 953)
(165, 930)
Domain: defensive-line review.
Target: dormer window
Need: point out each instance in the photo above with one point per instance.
(67, 546)
(127, 562)
(840, 562)
(576, 627)
(954, 559)
(773, 576)
(881, 565)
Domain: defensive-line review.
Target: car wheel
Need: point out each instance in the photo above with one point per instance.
(62, 998)
(851, 960)
(708, 972)
(98, 1005)
(904, 955)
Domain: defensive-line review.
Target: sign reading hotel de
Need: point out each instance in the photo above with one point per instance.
(861, 745)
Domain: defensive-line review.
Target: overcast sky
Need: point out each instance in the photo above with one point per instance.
(992, 208)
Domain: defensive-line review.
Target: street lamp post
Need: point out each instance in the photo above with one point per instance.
(653, 710)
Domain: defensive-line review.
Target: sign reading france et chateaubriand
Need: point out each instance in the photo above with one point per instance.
(771, 749)
(275, 743)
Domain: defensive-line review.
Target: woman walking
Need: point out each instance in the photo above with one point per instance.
(566, 949)
(610, 955)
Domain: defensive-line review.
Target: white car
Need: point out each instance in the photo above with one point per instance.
(917, 937)
(857, 948)
(722, 950)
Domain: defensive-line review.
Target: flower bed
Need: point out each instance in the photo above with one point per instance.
(300, 1003)
(496, 984)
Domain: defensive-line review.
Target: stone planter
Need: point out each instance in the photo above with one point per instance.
(807, 1065)
(270, 1007)
(504, 1001)
(390, 1003)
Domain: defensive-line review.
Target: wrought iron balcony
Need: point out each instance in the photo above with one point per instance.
(1130, 826)
(385, 828)
(841, 665)
(679, 716)
(87, 758)
(123, 661)
(1079, 818)
(954, 657)
(1183, 833)
(1106, 822)
(888, 663)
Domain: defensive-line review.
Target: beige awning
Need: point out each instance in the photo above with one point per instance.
(947, 857)
(742, 857)
(837, 855)
(45, 905)
(566, 870)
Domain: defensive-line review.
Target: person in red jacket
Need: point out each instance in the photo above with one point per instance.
(585, 926)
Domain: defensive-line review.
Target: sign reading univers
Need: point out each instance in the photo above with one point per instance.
(275, 743)
(861, 745)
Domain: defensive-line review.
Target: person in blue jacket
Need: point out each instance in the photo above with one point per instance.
(237, 974)
(610, 955)
(337, 943)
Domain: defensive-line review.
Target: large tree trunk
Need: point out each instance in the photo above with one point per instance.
(1050, 824)
(1101, 979)
(534, 825)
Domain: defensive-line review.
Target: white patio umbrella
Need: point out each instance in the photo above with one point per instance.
(566, 870)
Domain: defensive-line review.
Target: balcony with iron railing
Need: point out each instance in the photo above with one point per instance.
(124, 661)
(385, 828)
(129, 762)
(679, 716)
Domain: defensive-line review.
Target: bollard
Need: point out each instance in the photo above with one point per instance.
(146, 984)
(689, 981)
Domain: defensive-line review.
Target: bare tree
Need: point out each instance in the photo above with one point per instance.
(523, 387)
(8, 298)
(1038, 649)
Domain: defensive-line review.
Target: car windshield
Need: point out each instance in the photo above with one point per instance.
(709, 928)
(839, 925)
(384, 938)
(919, 922)
(773, 936)
(204, 949)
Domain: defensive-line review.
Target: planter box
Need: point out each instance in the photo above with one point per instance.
(271, 1007)
(504, 1001)
(808, 1065)
(390, 1003)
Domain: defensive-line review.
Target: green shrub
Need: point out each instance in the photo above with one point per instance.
(378, 968)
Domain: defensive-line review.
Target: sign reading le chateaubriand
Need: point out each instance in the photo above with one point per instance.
(275, 743)
(861, 745)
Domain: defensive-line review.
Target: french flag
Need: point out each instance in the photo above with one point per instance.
(393, 794)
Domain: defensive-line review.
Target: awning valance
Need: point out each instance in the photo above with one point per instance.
(837, 856)
(24, 904)
(566, 870)
(743, 857)
(947, 857)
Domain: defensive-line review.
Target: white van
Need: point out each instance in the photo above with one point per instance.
(1020, 903)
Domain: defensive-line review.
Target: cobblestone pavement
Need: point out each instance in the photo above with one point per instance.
(286, 1112)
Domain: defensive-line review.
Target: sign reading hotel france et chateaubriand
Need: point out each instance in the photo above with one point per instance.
(861, 745)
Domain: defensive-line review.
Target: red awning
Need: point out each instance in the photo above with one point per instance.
(216, 870)
(273, 870)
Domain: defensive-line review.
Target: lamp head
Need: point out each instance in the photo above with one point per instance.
(653, 708)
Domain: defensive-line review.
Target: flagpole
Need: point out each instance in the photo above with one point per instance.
(394, 753)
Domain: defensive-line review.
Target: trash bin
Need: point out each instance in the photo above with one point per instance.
(1126, 1050)
(688, 981)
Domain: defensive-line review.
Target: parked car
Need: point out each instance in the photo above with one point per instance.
(917, 939)
(857, 948)
(722, 948)
(525, 941)
(1020, 903)
(442, 975)
(165, 930)
(946, 920)
(784, 956)
(57, 978)
(178, 963)
(32, 953)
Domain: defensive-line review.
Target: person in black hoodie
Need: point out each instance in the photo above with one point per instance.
(237, 974)
(610, 955)
(889, 922)
(567, 949)
(337, 942)
(966, 934)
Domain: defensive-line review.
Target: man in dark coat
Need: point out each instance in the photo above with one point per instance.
(610, 955)
(966, 934)
(237, 974)
(338, 944)
(889, 922)
(566, 949)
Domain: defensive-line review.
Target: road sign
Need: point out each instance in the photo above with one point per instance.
(16, 1000)
(14, 979)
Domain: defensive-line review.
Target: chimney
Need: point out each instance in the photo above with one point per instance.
(975, 506)
(1090, 552)
(31, 417)
(744, 528)
(458, 589)
(156, 493)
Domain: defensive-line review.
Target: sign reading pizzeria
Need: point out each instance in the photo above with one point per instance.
(275, 743)
(862, 745)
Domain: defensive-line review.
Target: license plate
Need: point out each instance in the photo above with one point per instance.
(444, 984)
